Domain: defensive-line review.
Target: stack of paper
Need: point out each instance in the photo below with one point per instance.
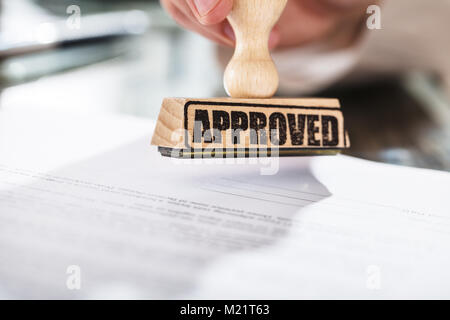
(88, 209)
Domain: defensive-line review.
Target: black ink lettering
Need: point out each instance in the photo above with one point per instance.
(258, 122)
(312, 130)
(297, 130)
(221, 122)
(326, 141)
(277, 122)
(239, 122)
(202, 125)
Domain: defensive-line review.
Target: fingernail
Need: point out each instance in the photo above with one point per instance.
(205, 6)
(228, 30)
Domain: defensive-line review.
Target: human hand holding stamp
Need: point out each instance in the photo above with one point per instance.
(251, 123)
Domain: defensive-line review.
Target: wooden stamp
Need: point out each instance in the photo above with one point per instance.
(250, 123)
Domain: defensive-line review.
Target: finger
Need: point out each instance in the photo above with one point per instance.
(346, 4)
(274, 37)
(336, 7)
(300, 24)
(209, 12)
(182, 14)
(177, 13)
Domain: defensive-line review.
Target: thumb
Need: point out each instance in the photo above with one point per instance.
(210, 12)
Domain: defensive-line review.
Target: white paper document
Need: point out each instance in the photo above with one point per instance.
(88, 209)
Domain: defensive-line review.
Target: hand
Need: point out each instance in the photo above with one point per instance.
(302, 22)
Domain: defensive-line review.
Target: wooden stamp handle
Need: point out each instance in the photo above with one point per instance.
(251, 72)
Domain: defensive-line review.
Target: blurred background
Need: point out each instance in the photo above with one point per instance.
(122, 56)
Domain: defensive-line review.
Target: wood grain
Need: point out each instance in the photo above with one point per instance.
(251, 72)
(225, 123)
